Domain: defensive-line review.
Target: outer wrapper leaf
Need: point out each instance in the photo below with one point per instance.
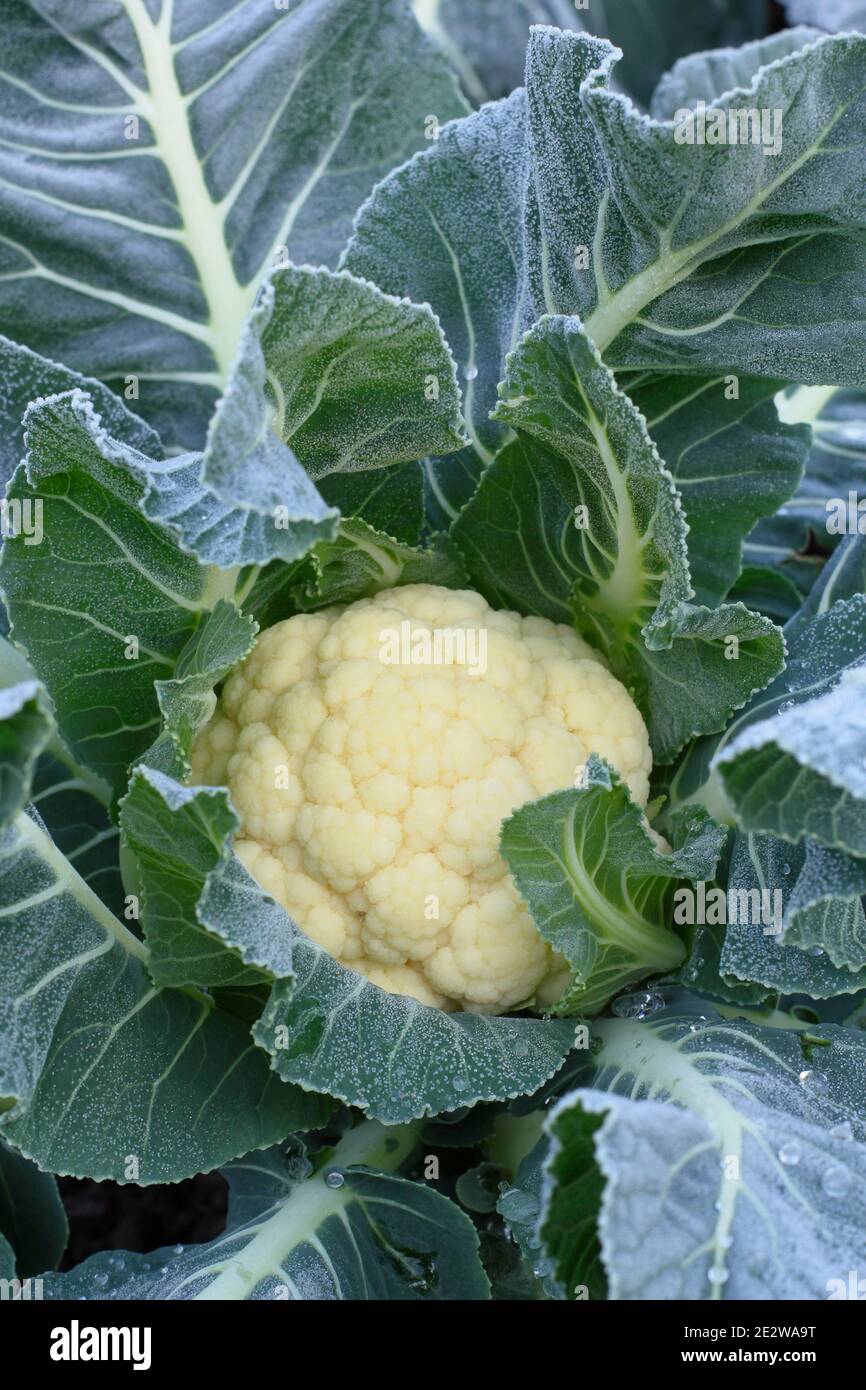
(803, 771)
(32, 1217)
(730, 1156)
(416, 1061)
(208, 922)
(210, 143)
(579, 519)
(368, 1235)
(599, 888)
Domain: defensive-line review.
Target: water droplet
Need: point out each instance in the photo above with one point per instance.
(163, 1269)
(816, 951)
(718, 1205)
(786, 704)
(842, 1131)
(178, 1249)
(521, 1048)
(726, 1242)
(786, 869)
(836, 1181)
(471, 373)
(515, 1205)
(100, 1280)
(789, 1154)
(815, 1081)
(697, 1024)
(460, 1083)
(639, 1005)
(334, 1178)
(717, 1275)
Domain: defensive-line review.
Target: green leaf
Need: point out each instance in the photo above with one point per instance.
(101, 514)
(718, 659)
(276, 513)
(102, 1074)
(25, 376)
(71, 801)
(573, 1186)
(209, 145)
(72, 616)
(334, 373)
(797, 539)
(825, 639)
(25, 728)
(361, 561)
(519, 1206)
(786, 776)
(390, 500)
(221, 641)
(812, 940)
(206, 921)
(485, 42)
(834, 15)
(102, 1067)
(765, 590)
(731, 1156)
(732, 460)
(578, 519)
(415, 1061)
(32, 1217)
(352, 1230)
(709, 75)
(698, 257)
(598, 887)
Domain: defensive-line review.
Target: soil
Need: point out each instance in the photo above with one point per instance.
(108, 1216)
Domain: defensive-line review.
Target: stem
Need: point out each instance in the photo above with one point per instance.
(514, 1137)
(296, 1220)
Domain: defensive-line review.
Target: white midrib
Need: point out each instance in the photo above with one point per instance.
(70, 881)
(650, 944)
(428, 15)
(165, 108)
(624, 589)
(610, 317)
(307, 1207)
(391, 568)
(668, 1069)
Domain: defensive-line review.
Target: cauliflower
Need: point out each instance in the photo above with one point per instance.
(372, 753)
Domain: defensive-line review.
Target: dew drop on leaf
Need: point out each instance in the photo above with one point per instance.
(815, 1081)
(836, 1181)
(842, 1131)
(639, 1005)
(789, 1154)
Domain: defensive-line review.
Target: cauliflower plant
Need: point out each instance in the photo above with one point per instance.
(372, 787)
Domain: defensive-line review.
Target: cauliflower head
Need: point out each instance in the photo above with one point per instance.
(372, 752)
